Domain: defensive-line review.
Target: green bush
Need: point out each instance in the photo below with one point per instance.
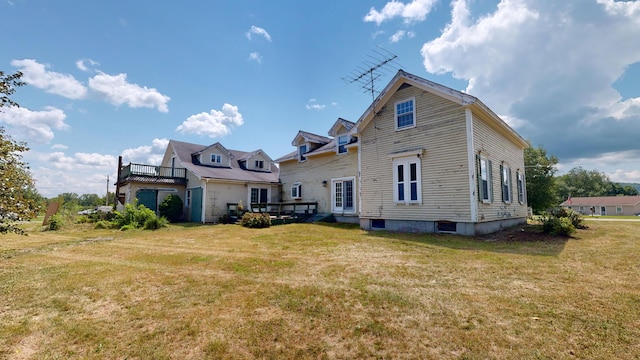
(103, 224)
(562, 222)
(256, 220)
(56, 222)
(155, 223)
(171, 207)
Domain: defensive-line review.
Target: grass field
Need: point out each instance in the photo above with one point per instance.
(308, 291)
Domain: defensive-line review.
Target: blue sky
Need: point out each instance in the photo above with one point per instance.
(111, 78)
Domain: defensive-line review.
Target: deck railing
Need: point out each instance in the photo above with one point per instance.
(152, 171)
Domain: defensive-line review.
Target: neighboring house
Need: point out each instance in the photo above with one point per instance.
(433, 159)
(323, 170)
(207, 179)
(604, 205)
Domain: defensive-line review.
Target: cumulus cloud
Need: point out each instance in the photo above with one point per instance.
(258, 31)
(34, 126)
(254, 56)
(400, 34)
(549, 68)
(117, 90)
(84, 64)
(79, 160)
(312, 104)
(147, 154)
(214, 123)
(39, 76)
(415, 10)
(59, 147)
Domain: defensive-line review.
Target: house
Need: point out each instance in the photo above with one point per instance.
(208, 179)
(323, 170)
(604, 205)
(434, 159)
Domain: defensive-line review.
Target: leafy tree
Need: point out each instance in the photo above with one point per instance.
(18, 197)
(540, 183)
(90, 200)
(579, 182)
(171, 207)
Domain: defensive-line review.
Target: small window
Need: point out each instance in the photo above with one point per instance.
(405, 114)
(259, 164)
(216, 159)
(446, 226)
(619, 210)
(302, 149)
(342, 141)
(378, 224)
(296, 191)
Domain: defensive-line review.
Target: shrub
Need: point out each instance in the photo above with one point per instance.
(256, 220)
(562, 221)
(103, 224)
(55, 222)
(155, 223)
(171, 207)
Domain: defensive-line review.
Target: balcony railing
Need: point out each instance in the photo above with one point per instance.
(152, 171)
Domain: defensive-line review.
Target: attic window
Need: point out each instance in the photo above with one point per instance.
(302, 149)
(405, 114)
(216, 159)
(342, 141)
(259, 164)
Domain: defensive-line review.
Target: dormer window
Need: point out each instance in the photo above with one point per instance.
(302, 149)
(259, 164)
(216, 159)
(342, 141)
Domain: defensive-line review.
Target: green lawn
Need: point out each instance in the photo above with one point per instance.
(308, 291)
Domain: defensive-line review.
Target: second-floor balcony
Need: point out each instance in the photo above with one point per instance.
(152, 173)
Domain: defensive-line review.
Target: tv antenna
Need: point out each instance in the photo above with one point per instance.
(372, 69)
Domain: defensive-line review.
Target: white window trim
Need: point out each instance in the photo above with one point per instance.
(406, 162)
(505, 176)
(257, 162)
(217, 156)
(341, 210)
(298, 187)
(489, 176)
(395, 112)
(301, 155)
(521, 187)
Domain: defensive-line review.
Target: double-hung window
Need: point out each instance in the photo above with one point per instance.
(296, 191)
(259, 164)
(407, 180)
(342, 141)
(520, 180)
(505, 179)
(484, 179)
(216, 159)
(302, 149)
(405, 114)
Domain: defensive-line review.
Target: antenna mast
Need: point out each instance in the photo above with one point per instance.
(370, 70)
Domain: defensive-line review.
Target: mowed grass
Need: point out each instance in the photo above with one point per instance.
(309, 291)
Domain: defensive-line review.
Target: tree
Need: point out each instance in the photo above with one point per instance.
(579, 182)
(18, 197)
(171, 207)
(540, 183)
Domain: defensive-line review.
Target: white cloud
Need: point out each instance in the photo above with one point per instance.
(146, 154)
(213, 124)
(37, 75)
(83, 64)
(258, 31)
(631, 176)
(86, 161)
(400, 34)
(254, 56)
(551, 65)
(59, 147)
(118, 91)
(312, 104)
(416, 10)
(34, 126)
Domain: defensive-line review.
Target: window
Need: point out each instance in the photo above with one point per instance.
(259, 164)
(619, 210)
(188, 200)
(343, 192)
(216, 159)
(302, 149)
(520, 179)
(407, 180)
(296, 191)
(259, 195)
(405, 114)
(378, 224)
(505, 180)
(484, 180)
(342, 141)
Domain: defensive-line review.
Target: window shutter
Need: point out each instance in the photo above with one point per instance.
(478, 179)
(502, 180)
(490, 177)
(510, 187)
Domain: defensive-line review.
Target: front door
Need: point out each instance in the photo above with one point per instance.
(603, 210)
(196, 205)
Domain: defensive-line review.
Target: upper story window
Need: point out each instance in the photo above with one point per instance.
(342, 141)
(302, 149)
(405, 114)
(407, 180)
(216, 159)
(259, 164)
(484, 179)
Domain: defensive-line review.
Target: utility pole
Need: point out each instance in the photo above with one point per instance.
(107, 197)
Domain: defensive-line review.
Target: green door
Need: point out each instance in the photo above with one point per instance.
(148, 198)
(196, 205)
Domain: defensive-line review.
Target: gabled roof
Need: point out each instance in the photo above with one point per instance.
(340, 123)
(184, 152)
(304, 136)
(456, 96)
(249, 155)
(218, 145)
(603, 201)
